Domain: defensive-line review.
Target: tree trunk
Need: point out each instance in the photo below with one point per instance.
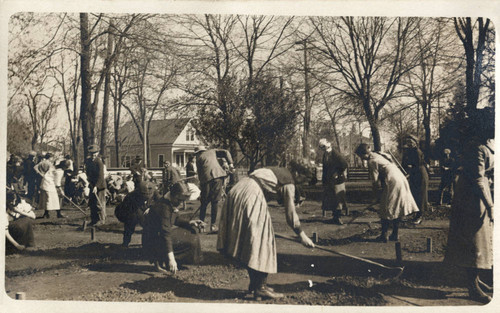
(377, 144)
(105, 104)
(88, 120)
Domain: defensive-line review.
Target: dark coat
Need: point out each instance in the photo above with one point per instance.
(208, 164)
(334, 166)
(414, 165)
(95, 173)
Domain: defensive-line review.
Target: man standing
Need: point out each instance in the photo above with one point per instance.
(30, 176)
(97, 184)
(211, 176)
(138, 170)
(334, 167)
(171, 175)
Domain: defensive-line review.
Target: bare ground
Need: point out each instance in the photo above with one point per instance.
(68, 265)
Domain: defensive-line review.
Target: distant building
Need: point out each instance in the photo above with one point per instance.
(170, 140)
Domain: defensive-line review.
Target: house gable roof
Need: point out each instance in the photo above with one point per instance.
(164, 131)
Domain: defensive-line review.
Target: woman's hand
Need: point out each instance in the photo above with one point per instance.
(306, 241)
(172, 264)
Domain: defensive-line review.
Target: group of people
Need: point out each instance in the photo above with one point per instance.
(241, 219)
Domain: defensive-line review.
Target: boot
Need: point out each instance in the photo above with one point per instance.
(60, 215)
(265, 292)
(46, 214)
(395, 229)
(475, 292)
(383, 236)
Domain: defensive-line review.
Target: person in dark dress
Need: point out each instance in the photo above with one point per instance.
(168, 237)
(131, 210)
(334, 192)
(19, 229)
(414, 164)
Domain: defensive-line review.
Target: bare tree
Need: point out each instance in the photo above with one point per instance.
(436, 70)
(474, 54)
(367, 57)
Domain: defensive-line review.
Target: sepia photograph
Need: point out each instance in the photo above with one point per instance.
(241, 155)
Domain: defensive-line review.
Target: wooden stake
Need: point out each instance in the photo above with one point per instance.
(20, 296)
(429, 244)
(315, 237)
(399, 257)
(92, 233)
(84, 226)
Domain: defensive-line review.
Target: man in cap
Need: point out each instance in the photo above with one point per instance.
(138, 170)
(97, 184)
(334, 167)
(211, 176)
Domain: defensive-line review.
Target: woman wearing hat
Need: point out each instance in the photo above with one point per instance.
(391, 188)
(246, 232)
(470, 238)
(414, 164)
(166, 237)
(49, 199)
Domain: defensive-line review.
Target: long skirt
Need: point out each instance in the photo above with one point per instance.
(334, 197)
(22, 232)
(419, 185)
(49, 200)
(470, 238)
(245, 230)
(396, 200)
(186, 244)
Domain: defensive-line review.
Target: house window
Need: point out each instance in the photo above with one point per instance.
(190, 135)
(161, 159)
(179, 160)
(125, 161)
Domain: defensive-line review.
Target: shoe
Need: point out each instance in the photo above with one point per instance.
(266, 293)
(381, 238)
(393, 237)
(417, 221)
(337, 221)
(60, 215)
(214, 229)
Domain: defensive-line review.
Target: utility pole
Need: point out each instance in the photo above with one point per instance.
(307, 102)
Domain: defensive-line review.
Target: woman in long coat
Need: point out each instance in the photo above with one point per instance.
(246, 231)
(390, 188)
(471, 222)
(414, 164)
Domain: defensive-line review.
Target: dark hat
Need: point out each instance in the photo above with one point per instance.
(146, 189)
(93, 148)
